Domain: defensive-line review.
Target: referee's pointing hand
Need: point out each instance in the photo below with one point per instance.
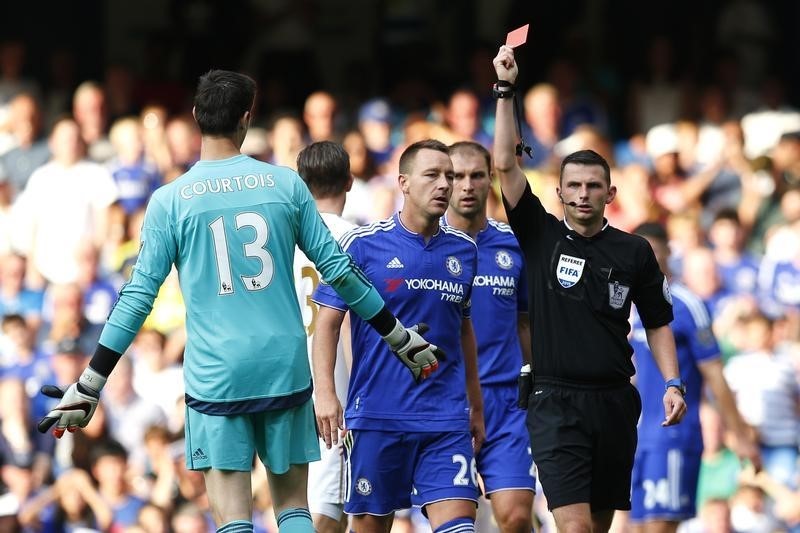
(674, 406)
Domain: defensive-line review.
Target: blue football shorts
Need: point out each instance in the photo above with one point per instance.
(504, 461)
(664, 485)
(388, 470)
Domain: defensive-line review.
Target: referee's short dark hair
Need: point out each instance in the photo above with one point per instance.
(325, 167)
(473, 147)
(222, 97)
(652, 230)
(586, 157)
(408, 155)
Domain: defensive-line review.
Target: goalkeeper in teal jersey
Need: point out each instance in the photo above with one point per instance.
(230, 226)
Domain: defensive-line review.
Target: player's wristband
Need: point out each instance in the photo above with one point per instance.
(502, 89)
(104, 360)
(92, 380)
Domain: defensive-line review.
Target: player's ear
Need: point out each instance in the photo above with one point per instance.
(349, 183)
(402, 180)
(612, 193)
(194, 115)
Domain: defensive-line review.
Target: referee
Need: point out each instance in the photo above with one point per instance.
(583, 276)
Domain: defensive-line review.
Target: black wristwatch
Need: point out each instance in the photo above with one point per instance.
(677, 383)
(502, 89)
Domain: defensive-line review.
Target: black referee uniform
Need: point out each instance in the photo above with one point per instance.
(583, 410)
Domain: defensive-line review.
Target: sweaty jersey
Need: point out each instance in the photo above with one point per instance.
(499, 294)
(306, 278)
(230, 227)
(695, 344)
(419, 282)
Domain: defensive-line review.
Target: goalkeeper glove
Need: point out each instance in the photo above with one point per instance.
(412, 350)
(77, 405)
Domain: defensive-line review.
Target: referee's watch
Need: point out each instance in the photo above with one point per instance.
(677, 383)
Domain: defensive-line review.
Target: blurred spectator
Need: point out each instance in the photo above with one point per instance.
(738, 269)
(25, 361)
(12, 76)
(359, 204)
(64, 321)
(286, 140)
(719, 466)
(153, 519)
(542, 124)
(31, 150)
(99, 292)
(15, 297)
(375, 124)
(72, 503)
(786, 501)
(768, 396)
(129, 415)
(319, 116)
(91, 115)
(699, 273)
(189, 518)
(463, 118)
(16, 471)
(634, 203)
(183, 140)
(749, 512)
(154, 376)
(64, 205)
(153, 120)
(110, 469)
(136, 178)
(8, 228)
(123, 256)
(714, 517)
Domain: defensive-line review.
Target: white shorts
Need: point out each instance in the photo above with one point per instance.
(326, 483)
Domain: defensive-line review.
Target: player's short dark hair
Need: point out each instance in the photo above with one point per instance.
(586, 157)
(472, 147)
(653, 230)
(410, 153)
(325, 167)
(221, 99)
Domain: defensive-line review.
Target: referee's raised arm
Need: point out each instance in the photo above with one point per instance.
(512, 180)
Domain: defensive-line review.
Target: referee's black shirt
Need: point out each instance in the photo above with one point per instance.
(580, 292)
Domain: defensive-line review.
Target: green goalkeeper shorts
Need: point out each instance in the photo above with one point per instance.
(281, 438)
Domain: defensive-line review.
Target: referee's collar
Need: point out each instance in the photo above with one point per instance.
(572, 231)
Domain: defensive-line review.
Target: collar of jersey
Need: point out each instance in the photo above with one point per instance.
(404, 230)
(595, 236)
(443, 222)
(221, 162)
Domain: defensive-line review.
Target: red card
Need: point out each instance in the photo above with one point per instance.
(518, 36)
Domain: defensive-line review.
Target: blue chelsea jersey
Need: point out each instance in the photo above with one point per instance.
(695, 343)
(499, 294)
(420, 282)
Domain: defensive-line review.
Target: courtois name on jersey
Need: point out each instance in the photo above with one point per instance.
(499, 294)
(420, 282)
(695, 343)
(230, 227)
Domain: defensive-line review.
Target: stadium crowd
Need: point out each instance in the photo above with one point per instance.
(719, 165)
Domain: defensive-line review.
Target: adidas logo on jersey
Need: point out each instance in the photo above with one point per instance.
(199, 455)
(395, 263)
